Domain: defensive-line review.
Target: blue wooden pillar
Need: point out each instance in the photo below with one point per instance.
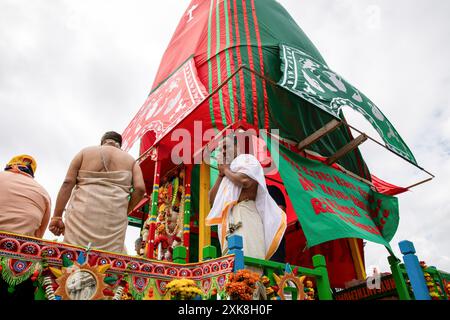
(235, 246)
(414, 270)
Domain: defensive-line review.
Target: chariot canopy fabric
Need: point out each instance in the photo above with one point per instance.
(220, 37)
(315, 82)
(332, 205)
(167, 105)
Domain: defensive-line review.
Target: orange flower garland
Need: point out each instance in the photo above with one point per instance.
(240, 285)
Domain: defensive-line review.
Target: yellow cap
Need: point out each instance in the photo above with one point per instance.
(23, 160)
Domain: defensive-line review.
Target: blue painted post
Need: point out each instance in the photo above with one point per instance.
(414, 270)
(235, 246)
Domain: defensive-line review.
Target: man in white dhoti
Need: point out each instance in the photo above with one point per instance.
(242, 205)
(99, 183)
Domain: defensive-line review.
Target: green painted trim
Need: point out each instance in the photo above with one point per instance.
(293, 291)
(323, 282)
(135, 222)
(235, 58)
(154, 209)
(277, 265)
(219, 76)
(258, 89)
(227, 57)
(187, 210)
(211, 105)
(399, 279)
(179, 254)
(245, 60)
(319, 272)
(209, 252)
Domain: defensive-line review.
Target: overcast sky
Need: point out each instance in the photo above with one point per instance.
(71, 70)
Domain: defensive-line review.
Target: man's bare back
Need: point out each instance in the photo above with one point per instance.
(106, 157)
(114, 158)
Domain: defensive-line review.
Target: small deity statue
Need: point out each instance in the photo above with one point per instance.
(309, 290)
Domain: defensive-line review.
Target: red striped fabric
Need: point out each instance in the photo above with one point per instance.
(251, 64)
(261, 65)
(386, 187)
(239, 57)
(233, 66)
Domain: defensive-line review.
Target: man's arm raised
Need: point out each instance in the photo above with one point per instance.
(238, 179)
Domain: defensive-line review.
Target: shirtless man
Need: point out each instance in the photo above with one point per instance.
(98, 183)
(242, 205)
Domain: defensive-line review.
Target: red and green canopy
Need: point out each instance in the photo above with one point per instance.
(248, 61)
(219, 37)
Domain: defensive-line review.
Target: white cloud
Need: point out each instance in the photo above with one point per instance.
(70, 70)
(402, 66)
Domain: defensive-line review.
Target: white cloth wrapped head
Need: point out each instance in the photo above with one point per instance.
(273, 218)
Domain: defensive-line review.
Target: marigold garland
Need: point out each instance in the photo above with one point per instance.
(183, 289)
(240, 285)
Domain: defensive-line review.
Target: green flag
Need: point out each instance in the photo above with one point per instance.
(316, 83)
(331, 205)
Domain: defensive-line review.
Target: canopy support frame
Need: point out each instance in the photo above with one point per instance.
(317, 135)
(351, 127)
(352, 145)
